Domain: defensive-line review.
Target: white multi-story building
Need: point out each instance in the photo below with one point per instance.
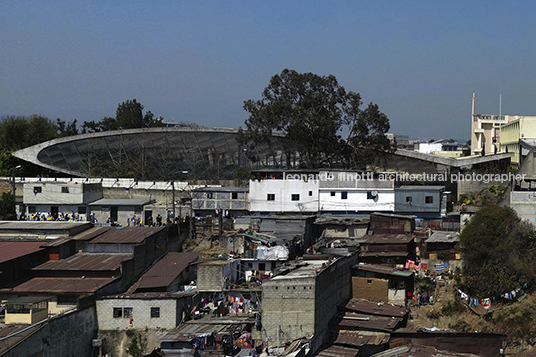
(321, 191)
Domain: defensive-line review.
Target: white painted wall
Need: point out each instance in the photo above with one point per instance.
(283, 190)
(357, 200)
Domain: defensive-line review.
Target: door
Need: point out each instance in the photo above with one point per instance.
(113, 214)
(54, 210)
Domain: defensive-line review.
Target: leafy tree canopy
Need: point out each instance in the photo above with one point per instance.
(314, 113)
(498, 251)
(18, 132)
(129, 115)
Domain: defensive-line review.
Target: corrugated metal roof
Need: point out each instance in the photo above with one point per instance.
(86, 261)
(355, 321)
(91, 233)
(381, 269)
(60, 285)
(126, 235)
(376, 308)
(120, 202)
(389, 239)
(186, 331)
(167, 269)
(12, 250)
(444, 237)
(383, 254)
(338, 351)
(41, 225)
(361, 338)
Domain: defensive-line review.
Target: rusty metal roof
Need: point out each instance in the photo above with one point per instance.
(338, 351)
(86, 261)
(125, 235)
(12, 250)
(349, 321)
(185, 332)
(420, 351)
(63, 286)
(167, 269)
(389, 239)
(375, 308)
(91, 233)
(383, 254)
(361, 338)
(382, 269)
(11, 335)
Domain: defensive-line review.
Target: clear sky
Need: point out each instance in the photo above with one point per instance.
(198, 61)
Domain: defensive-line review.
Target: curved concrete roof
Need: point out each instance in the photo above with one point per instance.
(167, 149)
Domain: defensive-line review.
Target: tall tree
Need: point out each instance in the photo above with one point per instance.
(498, 252)
(311, 114)
(129, 115)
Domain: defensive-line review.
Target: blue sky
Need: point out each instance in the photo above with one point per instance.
(198, 61)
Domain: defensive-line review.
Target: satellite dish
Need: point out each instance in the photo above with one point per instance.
(374, 193)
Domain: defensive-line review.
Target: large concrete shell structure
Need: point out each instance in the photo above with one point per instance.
(147, 154)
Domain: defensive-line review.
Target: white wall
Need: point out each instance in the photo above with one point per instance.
(357, 200)
(426, 148)
(283, 191)
(141, 313)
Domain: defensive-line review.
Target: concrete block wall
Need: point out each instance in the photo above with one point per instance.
(141, 313)
(209, 277)
(68, 335)
(333, 287)
(288, 307)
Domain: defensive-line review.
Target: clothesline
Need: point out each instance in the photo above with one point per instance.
(486, 302)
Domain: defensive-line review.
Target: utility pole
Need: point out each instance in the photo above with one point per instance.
(173, 199)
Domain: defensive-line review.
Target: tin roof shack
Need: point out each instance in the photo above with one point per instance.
(118, 210)
(40, 230)
(386, 223)
(300, 302)
(26, 310)
(355, 344)
(233, 200)
(340, 234)
(479, 344)
(381, 283)
(209, 337)
(145, 244)
(65, 293)
(89, 265)
(287, 228)
(68, 198)
(427, 201)
(147, 310)
(170, 274)
(388, 249)
(443, 245)
(217, 275)
(16, 260)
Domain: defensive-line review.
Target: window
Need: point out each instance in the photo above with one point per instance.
(409, 199)
(33, 209)
(270, 197)
(118, 312)
(18, 308)
(127, 312)
(81, 209)
(344, 195)
(371, 195)
(310, 193)
(332, 193)
(262, 266)
(38, 189)
(65, 189)
(234, 195)
(155, 312)
(429, 199)
(295, 197)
